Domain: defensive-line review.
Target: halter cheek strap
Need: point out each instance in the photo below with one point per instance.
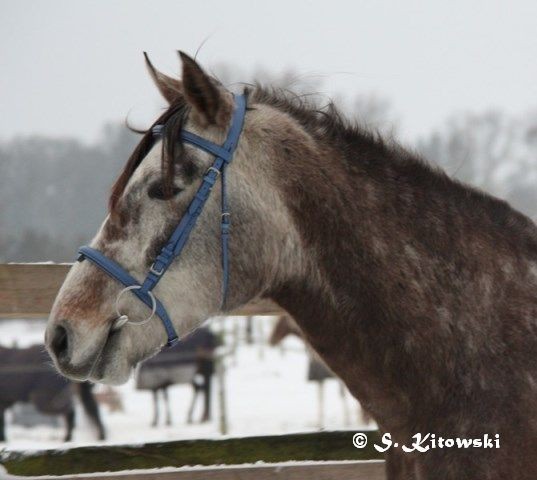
(173, 248)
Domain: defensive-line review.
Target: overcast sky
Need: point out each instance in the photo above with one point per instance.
(69, 66)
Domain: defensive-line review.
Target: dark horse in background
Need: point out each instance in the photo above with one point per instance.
(26, 375)
(190, 361)
(318, 371)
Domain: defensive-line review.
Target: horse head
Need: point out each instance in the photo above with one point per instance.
(148, 200)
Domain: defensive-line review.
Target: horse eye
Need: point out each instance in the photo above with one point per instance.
(157, 191)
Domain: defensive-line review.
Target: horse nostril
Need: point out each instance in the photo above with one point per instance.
(60, 342)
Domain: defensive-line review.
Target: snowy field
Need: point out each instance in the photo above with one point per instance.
(266, 390)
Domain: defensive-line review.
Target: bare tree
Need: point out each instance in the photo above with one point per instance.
(491, 151)
(53, 191)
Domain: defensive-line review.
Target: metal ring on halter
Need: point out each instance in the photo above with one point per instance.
(153, 305)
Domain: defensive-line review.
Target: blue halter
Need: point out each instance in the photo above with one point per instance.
(173, 248)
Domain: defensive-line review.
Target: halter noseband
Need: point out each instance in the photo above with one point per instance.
(172, 249)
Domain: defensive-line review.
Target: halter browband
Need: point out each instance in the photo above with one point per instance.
(173, 248)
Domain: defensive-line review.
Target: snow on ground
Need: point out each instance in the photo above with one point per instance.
(266, 393)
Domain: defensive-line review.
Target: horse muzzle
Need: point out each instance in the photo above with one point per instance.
(74, 357)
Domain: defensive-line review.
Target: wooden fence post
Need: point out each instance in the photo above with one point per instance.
(222, 411)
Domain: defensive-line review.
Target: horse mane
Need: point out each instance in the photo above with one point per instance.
(322, 122)
(326, 121)
(364, 151)
(360, 147)
(359, 143)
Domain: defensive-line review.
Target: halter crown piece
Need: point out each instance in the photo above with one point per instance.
(172, 249)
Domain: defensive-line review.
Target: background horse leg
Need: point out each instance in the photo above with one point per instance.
(70, 424)
(167, 403)
(91, 408)
(195, 391)
(366, 416)
(155, 408)
(320, 391)
(346, 415)
(2, 425)
(207, 398)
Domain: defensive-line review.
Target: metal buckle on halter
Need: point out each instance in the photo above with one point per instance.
(214, 170)
(225, 224)
(155, 272)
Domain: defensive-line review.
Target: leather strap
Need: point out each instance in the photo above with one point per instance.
(173, 248)
(117, 272)
(179, 237)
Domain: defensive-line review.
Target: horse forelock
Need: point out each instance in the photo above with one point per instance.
(173, 120)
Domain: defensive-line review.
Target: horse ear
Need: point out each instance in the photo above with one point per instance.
(170, 88)
(211, 103)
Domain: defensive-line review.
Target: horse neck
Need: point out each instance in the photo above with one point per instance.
(335, 206)
(384, 234)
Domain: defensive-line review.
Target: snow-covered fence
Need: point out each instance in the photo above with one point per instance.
(301, 449)
(27, 290)
(369, 470)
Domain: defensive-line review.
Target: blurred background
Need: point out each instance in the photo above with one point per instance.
(455, 81)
